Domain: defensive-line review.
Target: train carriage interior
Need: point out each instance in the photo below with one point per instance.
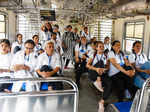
(74, 55)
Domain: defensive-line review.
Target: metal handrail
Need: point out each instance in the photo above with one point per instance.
(37, 93)
(142, 93)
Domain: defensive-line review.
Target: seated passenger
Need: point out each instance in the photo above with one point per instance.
(93, 48)
(38, 45)
(81, 55)
(18, 45)
(107, 45)
(48, 64)
(120, 72)
(140, 62)
(23, 65)
(5, 63)
(98, 65)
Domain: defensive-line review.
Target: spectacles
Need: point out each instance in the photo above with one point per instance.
(29, 48)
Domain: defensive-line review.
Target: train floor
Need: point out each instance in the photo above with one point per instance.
(88, 97)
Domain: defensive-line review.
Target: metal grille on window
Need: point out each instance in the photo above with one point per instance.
(28, 25)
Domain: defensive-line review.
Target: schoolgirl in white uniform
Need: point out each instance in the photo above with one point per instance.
(5, 63)
(57, 44)
(120, 71)
(107, 45)
(46, 31)
(18, 43)
(97, 65)
(38, 45)
(81, 55)
(140, 62)
(86, 34)
(56, 30)
(23, 65)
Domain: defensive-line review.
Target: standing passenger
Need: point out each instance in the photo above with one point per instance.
(67, 45)
(47, 30)
(85, 33)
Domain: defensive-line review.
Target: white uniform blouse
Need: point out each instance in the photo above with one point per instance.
(138, 59)
(107, 46)
(44, 59)
(20, 58)
(119, 59)
(82, 49)
(16, 44)
(97, 58)
(5, 64)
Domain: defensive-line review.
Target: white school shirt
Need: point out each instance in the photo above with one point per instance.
(97, 58)
(82, 49)
(20, 58)
(138, 59)
(59, 39)
(119, 59)
(37, 47)
(5, 64)
(14, 44)
(86, 35)
(46, 35)
(43, 59)
(107, 46)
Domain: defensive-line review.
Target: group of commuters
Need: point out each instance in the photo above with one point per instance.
(108, 67)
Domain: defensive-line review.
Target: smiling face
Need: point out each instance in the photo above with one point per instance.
(137, 48)
(100, 47)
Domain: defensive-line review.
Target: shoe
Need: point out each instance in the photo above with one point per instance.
(98, 86)
(66, 67)
(101, 106)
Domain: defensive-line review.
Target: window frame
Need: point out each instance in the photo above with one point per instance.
(132, 38)
(5, 24)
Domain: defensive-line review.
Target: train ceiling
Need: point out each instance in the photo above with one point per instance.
(80, 9)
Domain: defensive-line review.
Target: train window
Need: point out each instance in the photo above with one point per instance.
(101, 29)
(2, 27)
(28, 25)
(133, 31)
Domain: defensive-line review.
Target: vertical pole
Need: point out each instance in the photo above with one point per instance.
(98, 30)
